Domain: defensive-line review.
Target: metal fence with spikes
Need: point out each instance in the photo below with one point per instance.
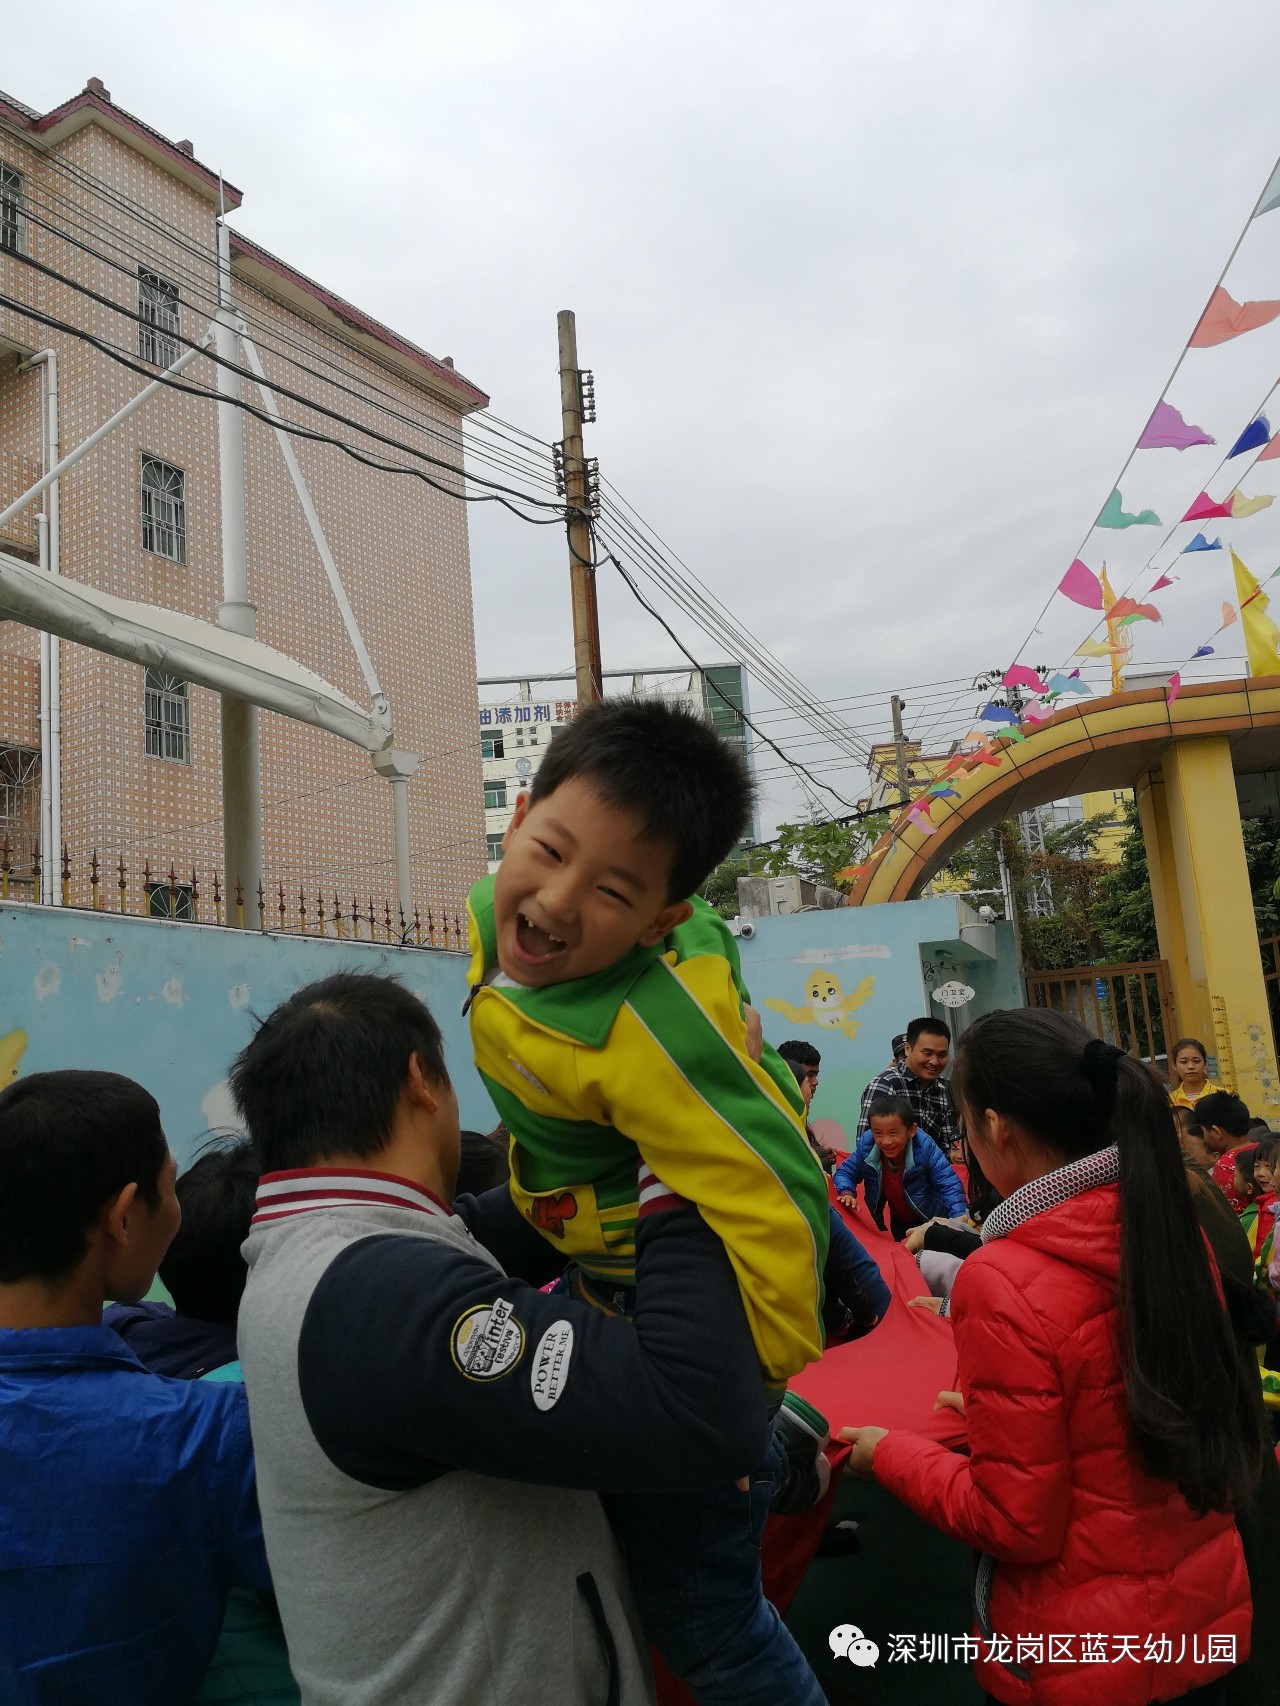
(195, 898)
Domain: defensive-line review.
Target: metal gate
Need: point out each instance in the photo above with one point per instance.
(1128, 1004)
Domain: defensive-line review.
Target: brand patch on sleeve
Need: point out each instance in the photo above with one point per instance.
(549, 1371)
(487, 1342)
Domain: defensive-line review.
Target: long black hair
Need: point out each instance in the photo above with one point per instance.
(1193, 1402)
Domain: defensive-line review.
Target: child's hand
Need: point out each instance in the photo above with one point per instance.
(934, 1303)
(864, 1442)
(914, 1240)
(755, 1033)
(849, 1200)
(949, 1401)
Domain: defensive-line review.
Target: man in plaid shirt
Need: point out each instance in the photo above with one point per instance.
(918, 1077)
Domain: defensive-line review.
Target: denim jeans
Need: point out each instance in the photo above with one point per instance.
(694, 1560)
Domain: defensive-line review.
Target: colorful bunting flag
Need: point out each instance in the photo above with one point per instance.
(1205, 509)
(1126, 607)
(1202, 652)
(1242, 506)
(1200, 543)
(997, 714)
(1166, 430)
(1165, 580)
(918, 816)
(1255, 434)
(1020, 675)
(941, 791)
(1014, 734)
(1060, 683)
(1228, 616)
(1081, 586)
(1261, 636)
(1173, 687)
(1037, 714)
(1270, 196)
(1225, 319)
(1272, 450)
(1094, 649)
(1114, 515)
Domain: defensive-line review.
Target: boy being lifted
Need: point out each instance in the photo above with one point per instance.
(607, 1016)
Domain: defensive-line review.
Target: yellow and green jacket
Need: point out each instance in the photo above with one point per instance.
(650, 1054)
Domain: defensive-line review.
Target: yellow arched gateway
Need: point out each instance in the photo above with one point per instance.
(1181, 761)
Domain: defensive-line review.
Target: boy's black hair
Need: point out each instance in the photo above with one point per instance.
(801, 1053)
(890, 1107)
(927, 1026)
(203, 1268)
(1259, 1129)
(324, 1072)
(898, 1046)
(69, 1142)
(483, 1162)
(661, 760)
(1221, 1108)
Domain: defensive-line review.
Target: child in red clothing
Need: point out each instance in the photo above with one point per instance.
(1224, 1123)
(1103, 1425)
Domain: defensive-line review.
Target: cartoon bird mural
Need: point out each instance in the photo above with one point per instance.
(11, 1051)
(826, 1004)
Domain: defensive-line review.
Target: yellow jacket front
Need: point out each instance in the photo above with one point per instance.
(650, 1055)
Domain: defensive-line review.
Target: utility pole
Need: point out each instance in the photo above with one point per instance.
(582, 576)
(241, 759)
(897, 707)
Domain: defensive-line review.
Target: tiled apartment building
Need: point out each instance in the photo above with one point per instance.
(97, 209)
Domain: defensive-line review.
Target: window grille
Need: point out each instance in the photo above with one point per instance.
(166, 715)
(491, 745)
(495, 796)
(158, 319)
(166, 902)
(493, 847)
(10, 208)
(164, 510)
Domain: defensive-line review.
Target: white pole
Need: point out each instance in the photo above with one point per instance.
(397, 767)
(46, 733)
(55, 644)
(95, 438)
(241, 756)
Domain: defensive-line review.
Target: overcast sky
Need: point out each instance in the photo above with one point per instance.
(877, 296)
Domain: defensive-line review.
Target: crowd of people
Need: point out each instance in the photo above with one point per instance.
(451, 1417)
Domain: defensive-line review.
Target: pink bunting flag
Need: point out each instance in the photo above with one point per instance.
(1166, 430)
(920, 818)
(1037, 713)
(1228, 616)
(1226, 318)
(1130, 607)
(1023, 676)
(1165, 580)
(1081, 586)
(1205, 509)
(1272, 450)
(1173, 686)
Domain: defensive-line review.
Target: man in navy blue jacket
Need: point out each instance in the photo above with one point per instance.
(900, 1167)
(127, 1502)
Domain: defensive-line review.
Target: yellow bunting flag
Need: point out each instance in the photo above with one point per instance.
(1094, 649)
(1261, 636)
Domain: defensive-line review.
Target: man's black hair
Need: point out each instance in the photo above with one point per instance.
(1221, 1108)
(324, 1072)
(203, 1268)
(69, 1143)
(890, 1107)
(801, 1052)
(927, 1027)
(483, 1162)
(659, 759)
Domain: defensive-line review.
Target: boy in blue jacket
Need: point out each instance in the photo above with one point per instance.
(900, 1167)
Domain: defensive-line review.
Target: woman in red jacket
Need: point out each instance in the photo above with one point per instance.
(1111, 1427)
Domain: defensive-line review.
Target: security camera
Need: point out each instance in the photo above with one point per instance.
(986, 913)
(746, 929)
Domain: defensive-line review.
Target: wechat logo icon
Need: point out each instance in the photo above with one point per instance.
(848, 1642)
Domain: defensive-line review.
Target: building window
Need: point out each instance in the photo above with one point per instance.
(10, 208)
(166, 902)
(491, 745)
(495, 796)
(157, 318)
(164, 510)
(166, 715)
(493, 848)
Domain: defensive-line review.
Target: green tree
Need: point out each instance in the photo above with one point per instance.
(817, 851)
(721, 887)
(1125, 916)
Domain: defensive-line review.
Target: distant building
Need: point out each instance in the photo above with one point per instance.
(515, 730)
(885, 786)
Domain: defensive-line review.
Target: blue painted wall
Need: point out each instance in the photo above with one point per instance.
(171, 1004)
(867, 967)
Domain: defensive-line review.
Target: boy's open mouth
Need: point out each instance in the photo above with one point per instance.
(535, 946)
